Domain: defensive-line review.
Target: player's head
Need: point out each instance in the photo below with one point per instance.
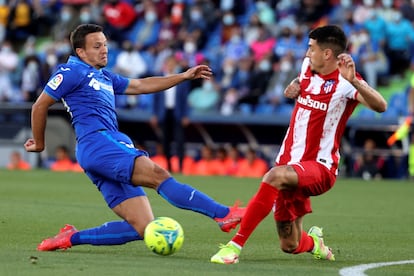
(330, 37)
(325, 44)
(90, 45)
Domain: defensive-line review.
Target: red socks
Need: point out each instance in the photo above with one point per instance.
(305, 244)
(258, 208)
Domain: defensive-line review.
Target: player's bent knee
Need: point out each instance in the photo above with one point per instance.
(276, 176)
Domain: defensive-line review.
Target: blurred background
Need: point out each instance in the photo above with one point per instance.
(255, 49)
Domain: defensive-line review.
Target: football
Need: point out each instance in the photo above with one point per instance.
(164, 236)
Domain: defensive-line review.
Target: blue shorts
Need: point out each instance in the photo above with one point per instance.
(108, 159)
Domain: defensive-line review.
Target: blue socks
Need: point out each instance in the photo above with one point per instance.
(180, 195)
(110, 233)
(186, 197)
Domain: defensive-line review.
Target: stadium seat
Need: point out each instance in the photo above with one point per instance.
(366, 113)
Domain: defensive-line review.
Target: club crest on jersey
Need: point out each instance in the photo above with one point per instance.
(328, 85)
(55, 82)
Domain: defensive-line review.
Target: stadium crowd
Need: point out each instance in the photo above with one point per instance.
(255, 47)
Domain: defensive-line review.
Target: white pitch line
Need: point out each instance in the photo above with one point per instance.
(359, 270)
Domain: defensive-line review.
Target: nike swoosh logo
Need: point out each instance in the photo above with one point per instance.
(64, 69)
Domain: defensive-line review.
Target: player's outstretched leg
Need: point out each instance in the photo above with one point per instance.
(320, 251)
(186, 197)
(110, 233)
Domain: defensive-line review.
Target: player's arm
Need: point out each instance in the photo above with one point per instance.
(367, 95)
(293, 89)
(155, 84)
(39, 117)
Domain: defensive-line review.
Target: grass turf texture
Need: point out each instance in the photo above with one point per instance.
(364, 222)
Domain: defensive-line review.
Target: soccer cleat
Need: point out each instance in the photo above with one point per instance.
(232, 219)
(228, 254)
(60, 241)
(320, 251)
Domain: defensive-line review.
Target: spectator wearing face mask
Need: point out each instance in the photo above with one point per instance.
(146, 29)
(204, 99)
(67, 21)
(9, 61)
(31, 79)
(400, 38)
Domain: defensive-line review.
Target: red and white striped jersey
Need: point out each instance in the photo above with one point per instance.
(318, 121)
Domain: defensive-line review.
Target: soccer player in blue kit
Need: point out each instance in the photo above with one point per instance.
(108, 157)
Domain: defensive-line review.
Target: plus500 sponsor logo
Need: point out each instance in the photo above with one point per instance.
(307, 101)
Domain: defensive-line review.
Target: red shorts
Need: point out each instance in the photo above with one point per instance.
(314, 179)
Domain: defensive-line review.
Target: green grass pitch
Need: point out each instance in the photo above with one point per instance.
(364, 222)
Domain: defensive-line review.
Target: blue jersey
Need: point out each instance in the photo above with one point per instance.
(88, 94)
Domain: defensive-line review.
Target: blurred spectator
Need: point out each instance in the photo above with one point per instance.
(252, 165)
(20, 23)
(85, 15)
(204, 99)
(235, 48)
(119, 18)
(259, 80)
(265, 13)
(170, 114)
(194, 25)
(375, 25)
(228, 77)
(234, 157)
(263, 46)
(9, 60)
(159, 156)
(251, 30)
(31, 78)
(229, 102)
(131, 64)
(17, 162)
(282, 74)
(144, 33)
(229, 26)
(4, 15)
(63, 161)
(207, 164)
(369, 56)
(187, 165)
(190, 55)
(225, 164)
(368, 165)
(313, 13)
(400, 38)
(407, 10)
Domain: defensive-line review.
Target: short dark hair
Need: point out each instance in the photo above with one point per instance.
(330, 36)
(77, 36)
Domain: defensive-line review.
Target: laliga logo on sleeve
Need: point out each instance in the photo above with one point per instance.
(55, 82)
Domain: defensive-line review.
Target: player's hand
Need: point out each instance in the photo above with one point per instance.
(292, 90)
(346, 66)
(31, 146)
(199, 71)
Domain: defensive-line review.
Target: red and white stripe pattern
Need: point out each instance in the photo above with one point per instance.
(319, 118)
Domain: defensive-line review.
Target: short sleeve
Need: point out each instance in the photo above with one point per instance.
(62, 82)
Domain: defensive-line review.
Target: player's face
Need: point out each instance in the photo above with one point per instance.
(316, 55)
(96, 50)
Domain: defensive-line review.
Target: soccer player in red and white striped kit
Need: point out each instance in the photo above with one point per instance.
(327, 91)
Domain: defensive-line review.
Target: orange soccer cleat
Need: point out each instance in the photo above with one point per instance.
(60, 241)
(232, 219)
